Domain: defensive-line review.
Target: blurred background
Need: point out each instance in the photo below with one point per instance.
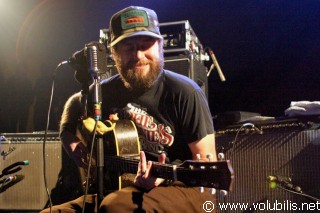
(268, 51)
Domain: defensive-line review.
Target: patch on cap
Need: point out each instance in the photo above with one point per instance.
(133, 21)
(134, 18)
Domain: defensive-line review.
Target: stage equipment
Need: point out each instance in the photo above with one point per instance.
(215, 64)
(286, 149)
(178, 38)
(186, 65)
(29, 193)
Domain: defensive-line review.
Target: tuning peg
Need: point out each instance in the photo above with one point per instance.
(223, 193)
(198, 157)
(209, 156)
(201, 189)
(220, 156)
(212, 191)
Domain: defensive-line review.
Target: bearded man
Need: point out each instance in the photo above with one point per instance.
(170, 112)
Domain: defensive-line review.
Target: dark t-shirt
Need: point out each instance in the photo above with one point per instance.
(173, 113)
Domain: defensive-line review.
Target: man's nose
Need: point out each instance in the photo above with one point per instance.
(139, 53)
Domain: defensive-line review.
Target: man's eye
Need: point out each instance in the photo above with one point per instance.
(146, 45)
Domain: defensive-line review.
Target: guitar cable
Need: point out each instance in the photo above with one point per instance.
(45, 140)
(89, 167)
(46, 135)
(232, 145)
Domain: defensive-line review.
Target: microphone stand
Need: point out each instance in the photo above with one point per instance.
(297, 190)
(95, 52)
(97, 101)
(98, 140)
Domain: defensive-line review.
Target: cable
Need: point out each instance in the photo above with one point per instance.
(46, 134)
(89, 167)
(233, 143)
(299, 193)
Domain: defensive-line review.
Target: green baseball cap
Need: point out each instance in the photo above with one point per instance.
(133, 21)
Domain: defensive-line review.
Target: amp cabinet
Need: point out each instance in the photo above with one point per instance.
(187, 66)
(27, 192)
(289, 149)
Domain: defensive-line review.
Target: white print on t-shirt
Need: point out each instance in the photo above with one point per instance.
(153, 132)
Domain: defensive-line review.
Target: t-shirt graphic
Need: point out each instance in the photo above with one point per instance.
(153, 136)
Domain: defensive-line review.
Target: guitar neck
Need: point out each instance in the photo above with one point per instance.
(130, 165)
(217, 175)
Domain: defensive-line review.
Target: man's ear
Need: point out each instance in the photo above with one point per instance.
(160, 41)
(112, 52)
(113, 49)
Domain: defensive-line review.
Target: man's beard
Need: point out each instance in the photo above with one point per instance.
(138, 80)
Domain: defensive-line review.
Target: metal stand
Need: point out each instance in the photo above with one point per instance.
(97, 100)
(297, 190)
(95, 54)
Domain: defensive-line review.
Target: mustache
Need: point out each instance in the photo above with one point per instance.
(138, 63)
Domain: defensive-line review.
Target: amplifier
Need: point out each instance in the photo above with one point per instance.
(26, 189)
(187, 66)
(287, 150)
(178, 38)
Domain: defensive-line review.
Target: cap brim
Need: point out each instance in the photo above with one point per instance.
(140, 33)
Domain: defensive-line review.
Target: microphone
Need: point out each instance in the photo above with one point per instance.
(92, 58)
(96, 57)
(215, 62)
(278, 179)
(284, 182)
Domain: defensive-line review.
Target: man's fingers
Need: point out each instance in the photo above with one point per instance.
(162, 158)
(143, 163)
(144, 178)
(147, 171)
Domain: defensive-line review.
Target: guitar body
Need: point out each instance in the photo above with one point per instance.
(123, 141)
(121, 159)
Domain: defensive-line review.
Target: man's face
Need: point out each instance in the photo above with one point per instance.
(139, 60)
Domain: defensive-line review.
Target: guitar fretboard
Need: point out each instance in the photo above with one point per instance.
(217, 175)
(130, 165)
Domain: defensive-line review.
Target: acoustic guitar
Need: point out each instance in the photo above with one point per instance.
(121, 151)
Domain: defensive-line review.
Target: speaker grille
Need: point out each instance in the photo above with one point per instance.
(29, 193)
(254, 157)
(191, 68)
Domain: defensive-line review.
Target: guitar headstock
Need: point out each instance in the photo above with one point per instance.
(218, 175)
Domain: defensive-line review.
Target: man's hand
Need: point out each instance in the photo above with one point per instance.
(144, 178)
(76, 149)
(80, 154)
